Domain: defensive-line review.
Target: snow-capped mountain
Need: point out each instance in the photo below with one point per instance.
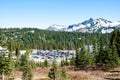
(56, 27)
(91, 26)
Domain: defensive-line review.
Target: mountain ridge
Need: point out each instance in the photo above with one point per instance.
(91, 25)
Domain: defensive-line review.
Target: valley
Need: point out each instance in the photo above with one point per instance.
(41, 54)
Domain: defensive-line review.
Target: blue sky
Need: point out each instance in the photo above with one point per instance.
(43, 13)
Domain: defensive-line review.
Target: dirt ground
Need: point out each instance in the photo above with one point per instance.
(38, 74)
(42, 73)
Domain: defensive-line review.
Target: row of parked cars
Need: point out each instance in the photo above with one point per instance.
(43, 55)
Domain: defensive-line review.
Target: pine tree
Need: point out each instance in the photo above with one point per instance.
(115, 56)
(6, 65)
(46, 64)
(17, 63)
(11, 64)
(53, 71)
(88, 58)
(26, 67)
(72, 61)
(66, 61)
(116, 38)
(101, 55)
(95, 49)
(84, 58)
(107, 59)
(62, 63)
(3, 68)
(17, 53)
(77, 58)
(63, 74)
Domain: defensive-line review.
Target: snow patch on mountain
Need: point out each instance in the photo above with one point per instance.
(56, 27)
(107, 31)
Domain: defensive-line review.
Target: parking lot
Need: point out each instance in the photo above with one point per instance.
(50, 55)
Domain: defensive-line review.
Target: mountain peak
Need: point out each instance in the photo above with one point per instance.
(91, 19)
(88, 21)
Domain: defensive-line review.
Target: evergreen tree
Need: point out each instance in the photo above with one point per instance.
(62, 63)
(11, 64)
(116, 38)
(88, 58)
(77, 58)
(33, 64)
(26, 67)
(3, 65)
(6, 65)
(17, 63)
(115, 56)
(53, 71)
(17, 53)
(66, 61)
(72, 61)
(95, 49)
(46, 64)
(101, 54)
(63, 74)
(84, 58)
(107, 59)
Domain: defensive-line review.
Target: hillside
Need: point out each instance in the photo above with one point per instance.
(32, 38)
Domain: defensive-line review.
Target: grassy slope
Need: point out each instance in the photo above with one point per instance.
(41, 74)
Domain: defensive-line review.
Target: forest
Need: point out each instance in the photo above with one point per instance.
(32, 38)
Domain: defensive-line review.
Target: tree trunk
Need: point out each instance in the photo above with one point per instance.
(54, 76)
(3, 76)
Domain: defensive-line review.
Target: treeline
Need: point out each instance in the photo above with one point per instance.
(32, 38)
